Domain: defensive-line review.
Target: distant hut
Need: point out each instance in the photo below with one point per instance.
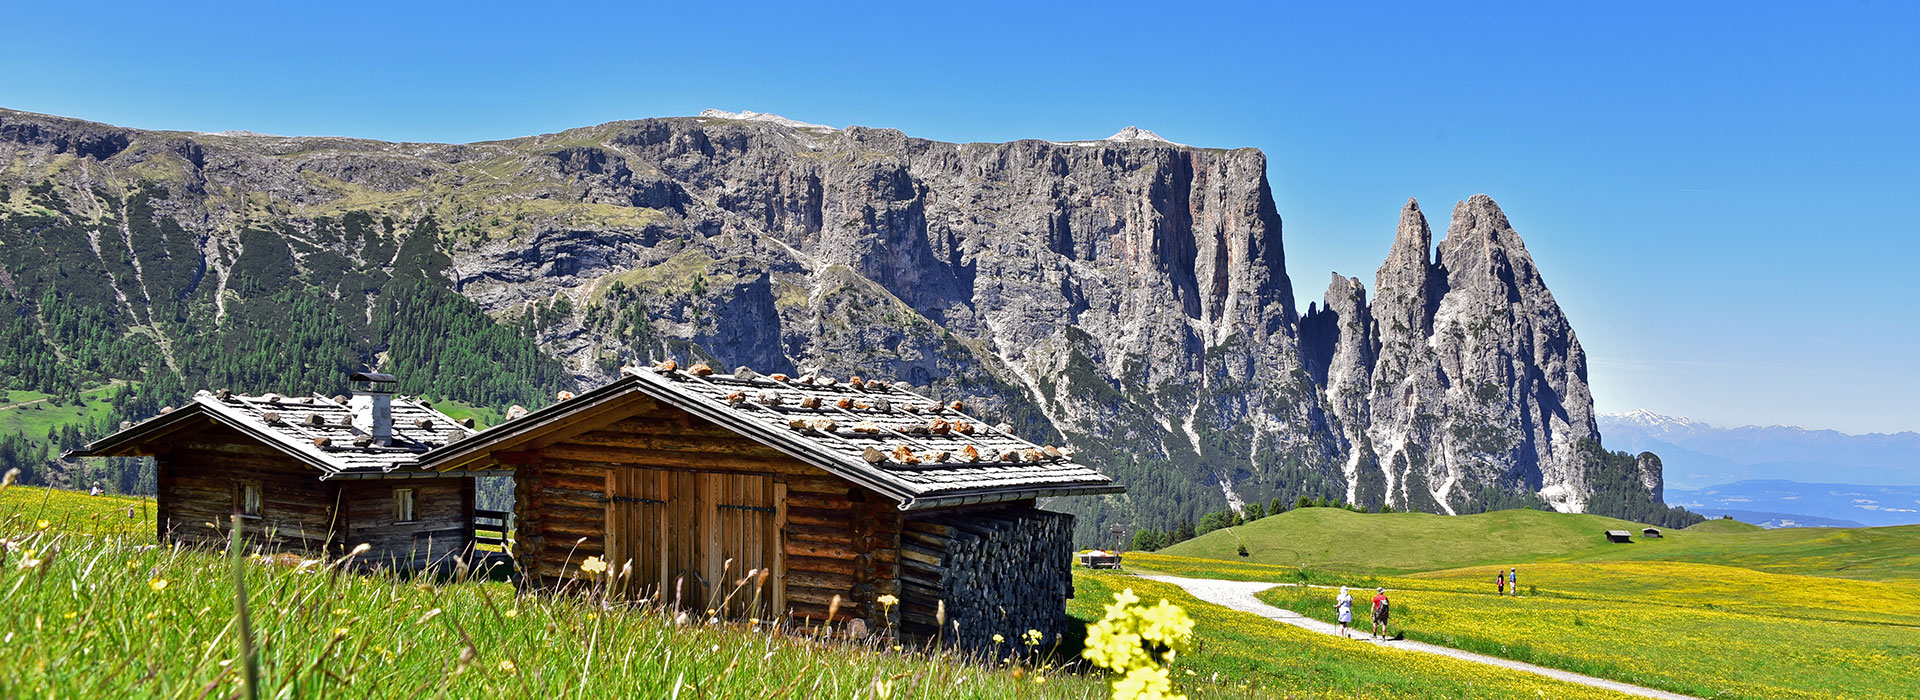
(307, 474)
(1619, 536)
(771, 496)
(1653, 532)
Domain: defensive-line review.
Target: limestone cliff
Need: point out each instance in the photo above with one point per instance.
(1477, 391)
(1128, 295)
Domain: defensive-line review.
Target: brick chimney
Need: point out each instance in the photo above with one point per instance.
(372, 405)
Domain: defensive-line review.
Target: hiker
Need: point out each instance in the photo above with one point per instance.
(95, 491)
(1380, 605)
(1513, 580)
(1345, 604)
(1500, 582)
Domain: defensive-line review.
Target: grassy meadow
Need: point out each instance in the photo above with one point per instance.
(94, 613)
(1722, 609)
(31, 414)
(94, 609)
(1656, 644)
(1397, 543)
(23, 507)
(1265, 659)
(1404, 543)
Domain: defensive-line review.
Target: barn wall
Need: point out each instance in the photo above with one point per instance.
(196, 482)
(442, 526)
(838, 538)
(1001, 570)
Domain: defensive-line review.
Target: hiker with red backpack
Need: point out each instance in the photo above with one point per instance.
(1380, 613)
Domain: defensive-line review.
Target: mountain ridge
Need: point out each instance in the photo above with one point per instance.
(1650, 418)
(1130, 296)
(1703, 454)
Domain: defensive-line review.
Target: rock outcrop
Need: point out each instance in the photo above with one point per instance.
(1128, 295)
(1477, 387)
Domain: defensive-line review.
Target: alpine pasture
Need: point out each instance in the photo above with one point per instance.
(1719, 610)
(95, 609)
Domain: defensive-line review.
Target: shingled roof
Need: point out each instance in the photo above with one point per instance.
(920, 452)
(314, 429)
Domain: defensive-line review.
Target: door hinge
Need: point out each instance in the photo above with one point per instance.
(631, 499)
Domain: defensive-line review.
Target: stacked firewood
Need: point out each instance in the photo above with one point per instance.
(1002, 571)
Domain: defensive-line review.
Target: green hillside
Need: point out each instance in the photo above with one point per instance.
(1724, 525)
(1865, 553)
(1402, 543)
(1394, 543)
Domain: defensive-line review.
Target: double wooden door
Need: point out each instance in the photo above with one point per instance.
(699, 541)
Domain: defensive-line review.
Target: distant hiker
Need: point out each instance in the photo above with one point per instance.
(1345, 603)
(1380, 612)
(95, 491)
(1500, 582)
(1513, 580)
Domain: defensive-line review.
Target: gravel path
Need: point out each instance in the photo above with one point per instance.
(1238, 595)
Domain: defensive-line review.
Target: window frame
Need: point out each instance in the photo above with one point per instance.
(412, 502)
(241, 488)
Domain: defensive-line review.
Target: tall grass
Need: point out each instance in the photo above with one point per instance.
(88, 615)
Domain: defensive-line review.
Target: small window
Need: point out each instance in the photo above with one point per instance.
(403, 505)
(246, 499)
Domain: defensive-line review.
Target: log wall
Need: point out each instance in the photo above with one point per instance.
(1000, 570)
(833, 538)
(197, 477)
(441, 529)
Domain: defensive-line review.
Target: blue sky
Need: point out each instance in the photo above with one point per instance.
(1719, 194)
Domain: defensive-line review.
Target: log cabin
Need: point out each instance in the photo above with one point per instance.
(764, 496)
(308, 474)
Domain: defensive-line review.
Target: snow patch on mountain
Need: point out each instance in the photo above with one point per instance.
(751, 116)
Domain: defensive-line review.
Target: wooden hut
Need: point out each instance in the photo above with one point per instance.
(1653, 532)
(1619, 536)
(307, 473)
(770, 496)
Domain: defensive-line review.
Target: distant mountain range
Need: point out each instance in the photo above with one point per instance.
(1698, 455)
(1760, 474)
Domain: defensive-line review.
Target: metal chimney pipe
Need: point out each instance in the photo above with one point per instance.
(372, 405)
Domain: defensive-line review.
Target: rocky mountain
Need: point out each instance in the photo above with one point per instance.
(1128, 296)
(1462, 386)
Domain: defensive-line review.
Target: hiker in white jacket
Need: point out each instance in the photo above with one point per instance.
(1345, 603)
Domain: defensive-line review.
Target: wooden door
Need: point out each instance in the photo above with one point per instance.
(746, 544)
(700, 541)
(684, 554)
(636, 515)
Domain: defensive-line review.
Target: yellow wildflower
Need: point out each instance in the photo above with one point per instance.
(1139, 642)
(593, 565)
(43, 524)
(513, 612)
(71, 614)
(1145, 683)
(997, 638)
(507, 666)
(340, 631)
(158, 584)
(1033, 637)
